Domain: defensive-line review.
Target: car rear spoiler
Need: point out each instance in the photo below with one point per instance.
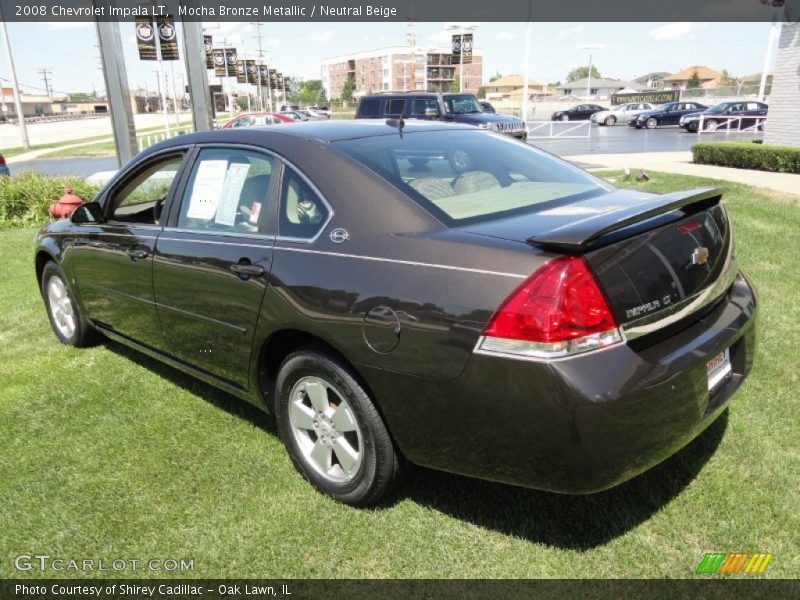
(593, 231)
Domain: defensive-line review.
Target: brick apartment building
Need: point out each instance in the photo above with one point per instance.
(400, 68)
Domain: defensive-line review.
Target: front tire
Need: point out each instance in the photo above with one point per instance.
(65, 317)
(651, 123)
(611, 120)
(563, 118)
(332, 430)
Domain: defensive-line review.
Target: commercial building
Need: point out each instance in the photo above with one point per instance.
(400, 68)
(600, 88)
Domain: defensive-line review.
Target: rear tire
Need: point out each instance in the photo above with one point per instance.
(69, 325)
(332, 430)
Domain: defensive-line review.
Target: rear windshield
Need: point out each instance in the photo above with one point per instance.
(466, 176)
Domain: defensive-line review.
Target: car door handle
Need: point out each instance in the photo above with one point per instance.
(136, 254)
(246, 271)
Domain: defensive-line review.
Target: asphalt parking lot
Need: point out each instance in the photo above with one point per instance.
(621, 139)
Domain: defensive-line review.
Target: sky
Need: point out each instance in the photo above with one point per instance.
(626, 50)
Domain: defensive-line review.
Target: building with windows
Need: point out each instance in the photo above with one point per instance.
(654, 81)
(400, 68)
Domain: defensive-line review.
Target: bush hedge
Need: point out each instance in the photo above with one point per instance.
(25, 197)
(747, 155)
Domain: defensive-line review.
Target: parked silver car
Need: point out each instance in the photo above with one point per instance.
(621, 113)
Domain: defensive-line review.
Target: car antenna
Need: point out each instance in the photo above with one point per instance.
(397, 124)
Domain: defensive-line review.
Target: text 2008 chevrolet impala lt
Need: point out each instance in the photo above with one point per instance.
(416, 292)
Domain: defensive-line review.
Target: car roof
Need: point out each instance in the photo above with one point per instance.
(320, 131)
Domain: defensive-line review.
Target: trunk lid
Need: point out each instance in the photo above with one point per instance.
(653, 255)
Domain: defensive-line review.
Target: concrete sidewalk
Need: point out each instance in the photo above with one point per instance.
(681, 164)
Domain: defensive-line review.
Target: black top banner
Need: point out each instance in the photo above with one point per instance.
(168, 38)
(402, 10)
(208, 46)
(146, 39)
(462, 49)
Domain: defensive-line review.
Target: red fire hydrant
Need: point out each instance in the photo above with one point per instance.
(65, 205)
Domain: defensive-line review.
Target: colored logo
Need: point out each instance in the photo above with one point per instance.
(733, 563)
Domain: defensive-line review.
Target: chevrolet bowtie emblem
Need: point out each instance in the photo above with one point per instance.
(700, 256)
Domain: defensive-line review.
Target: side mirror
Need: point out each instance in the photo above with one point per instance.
(91, 212)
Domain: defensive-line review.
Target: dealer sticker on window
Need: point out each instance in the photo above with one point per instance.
(718, 368)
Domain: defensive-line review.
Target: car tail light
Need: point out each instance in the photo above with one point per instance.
(2, 160)
(559, 310)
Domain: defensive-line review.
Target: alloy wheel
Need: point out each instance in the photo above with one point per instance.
(61, 307)
(325, 429)
(564, 117)
(651, 123)
(610, 120)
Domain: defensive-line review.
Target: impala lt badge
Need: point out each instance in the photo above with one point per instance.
(700, 256)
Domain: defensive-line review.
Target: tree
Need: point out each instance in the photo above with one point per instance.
(582, 73)
(241, 102)
(495, 77)
(311, 92)
(727, 78)
(82, 97)
(554, 84)
(349, 87)
(481, 93)
(456, 85)
(694, 80)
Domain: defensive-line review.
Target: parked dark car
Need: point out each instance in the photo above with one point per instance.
(289, 107)
(733, 115)
(665, 114)
(487, 107)
(581, 112)
(257, 119)
(4, 172)
(498, 312)
(454, 108)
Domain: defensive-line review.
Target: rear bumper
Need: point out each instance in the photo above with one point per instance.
(574, 425)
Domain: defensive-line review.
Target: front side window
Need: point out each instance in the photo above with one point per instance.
(303, 213)
(226, 191)
(142, 198)
(463, 176)
(421, 107)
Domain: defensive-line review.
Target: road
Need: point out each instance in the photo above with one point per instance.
(620, 139)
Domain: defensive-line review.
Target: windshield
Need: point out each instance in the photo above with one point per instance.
(462, 105)
(463, 176)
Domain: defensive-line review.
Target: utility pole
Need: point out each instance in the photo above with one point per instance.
(162, 84)
(23, 130)
(45, 73)
(260, 61)
(774, 34)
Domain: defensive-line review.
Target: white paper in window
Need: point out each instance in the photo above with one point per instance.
(231, 191)
(207, 189)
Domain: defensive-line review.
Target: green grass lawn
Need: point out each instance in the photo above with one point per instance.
(108, 454)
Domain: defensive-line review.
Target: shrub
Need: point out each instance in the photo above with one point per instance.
(25, 198)
(747, 155)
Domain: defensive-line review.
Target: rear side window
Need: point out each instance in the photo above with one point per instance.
(395, 107)
(369, 108)
(420, 105)
(226, 191)
(303, 213)
(463, 176)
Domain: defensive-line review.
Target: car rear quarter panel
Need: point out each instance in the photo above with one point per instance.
(442, 285)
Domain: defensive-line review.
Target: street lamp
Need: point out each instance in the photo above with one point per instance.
(590, 49)
(462, 28)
